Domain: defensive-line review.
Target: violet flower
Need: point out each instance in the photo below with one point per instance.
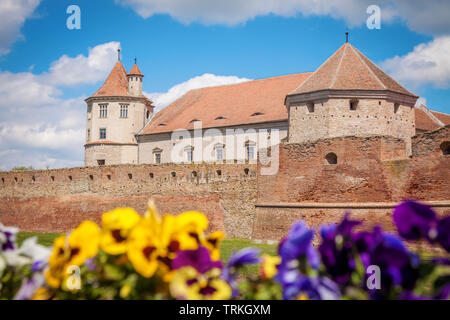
(415, 221)
(199, 259)
(237, 260)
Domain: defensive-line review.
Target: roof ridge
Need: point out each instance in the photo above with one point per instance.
(317, 70)
(338, 68)
(365, 64)
(391, 78)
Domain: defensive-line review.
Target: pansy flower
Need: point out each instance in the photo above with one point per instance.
(81, 244)
(189, 284)
(269, 266)
(116, 225)
(7, 238)
(212, 243)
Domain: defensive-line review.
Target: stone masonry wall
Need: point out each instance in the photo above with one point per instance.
(371, 176)
(58, 200)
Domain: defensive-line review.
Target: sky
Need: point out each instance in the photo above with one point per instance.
(47, 69)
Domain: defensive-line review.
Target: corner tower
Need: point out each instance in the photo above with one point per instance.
(349, 95)
(115, 113)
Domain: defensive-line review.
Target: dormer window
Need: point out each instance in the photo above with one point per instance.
(220, 118)
(353, 105)
(194, 120)
(257, 114)
(162, 124)
(310, 106)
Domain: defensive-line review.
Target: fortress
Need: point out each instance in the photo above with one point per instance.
(350, 138)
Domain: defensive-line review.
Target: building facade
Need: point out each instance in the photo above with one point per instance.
(348, 95)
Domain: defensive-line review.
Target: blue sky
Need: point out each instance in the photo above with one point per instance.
(46, 70)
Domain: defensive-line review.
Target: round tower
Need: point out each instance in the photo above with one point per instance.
(349, 95)
(115, 114)
(135, 77)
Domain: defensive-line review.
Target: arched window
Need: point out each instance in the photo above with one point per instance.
(331, 158)
(445, 148)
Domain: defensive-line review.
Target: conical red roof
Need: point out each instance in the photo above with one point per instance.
(116, 84)
(349, 69)
(135, 71)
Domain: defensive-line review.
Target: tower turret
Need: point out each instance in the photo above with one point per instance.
(135, 81)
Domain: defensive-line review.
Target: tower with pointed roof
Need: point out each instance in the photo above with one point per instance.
(115, 114)
(348, 95)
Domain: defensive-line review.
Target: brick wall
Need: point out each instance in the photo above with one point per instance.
(371, 176)
(57, 200)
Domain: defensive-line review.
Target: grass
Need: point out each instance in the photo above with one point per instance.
(227, 248)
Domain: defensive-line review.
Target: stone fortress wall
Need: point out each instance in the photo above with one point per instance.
(371, 174)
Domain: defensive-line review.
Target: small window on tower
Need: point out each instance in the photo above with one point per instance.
(148, 114)
(103, 110)
(124, 111)
(310, 106)
(102, 134)
(101, 162)
(396, 107)
(88, 134)
(353, 105)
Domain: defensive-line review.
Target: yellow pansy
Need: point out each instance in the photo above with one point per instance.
(116, 225)
(190, 228)
(143, 248)
(269, 266)
(212, 243)
(187, 283)
(83, 243)
(72, 250)
(57, 262)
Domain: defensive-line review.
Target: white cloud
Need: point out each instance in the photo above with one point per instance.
(428, 63)
(38, 126)
(232, 12)
(13, 14)
(161, 100)
(430, 17)
(68, 71)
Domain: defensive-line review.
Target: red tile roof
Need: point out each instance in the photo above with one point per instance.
(244, 103)
(135, 71)
(423, 121)
(349, 69)
(116, 84)
(443, 117)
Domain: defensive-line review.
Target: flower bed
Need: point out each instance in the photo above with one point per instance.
(170, 257)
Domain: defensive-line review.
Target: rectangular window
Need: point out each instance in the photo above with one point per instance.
(157, 157)
(88, 134)
(124, 111)
(101, 162)
(103, 133)
(189, 155)
(219, 153)
(103, 110)
(250, 152)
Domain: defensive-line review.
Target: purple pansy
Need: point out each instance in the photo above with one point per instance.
(415, 220)
(237, 260)
(199, 259)
(7, 238)
(443, 233)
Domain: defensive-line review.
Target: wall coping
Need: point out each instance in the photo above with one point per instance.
(343, 205)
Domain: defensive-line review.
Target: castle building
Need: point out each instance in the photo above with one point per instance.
(348, 95)
(115, 113)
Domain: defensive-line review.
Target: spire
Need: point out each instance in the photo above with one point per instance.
(135, 70)
(135, 60)
(346, 37)
(118, 54)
